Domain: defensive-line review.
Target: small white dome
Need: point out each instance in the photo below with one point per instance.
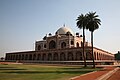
(64, 30)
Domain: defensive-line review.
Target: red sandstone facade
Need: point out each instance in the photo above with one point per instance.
(62, 47)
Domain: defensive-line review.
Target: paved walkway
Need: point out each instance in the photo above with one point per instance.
(115, 76)
(95, 75)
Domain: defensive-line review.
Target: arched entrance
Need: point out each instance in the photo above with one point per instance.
(34, 56)
(49, 57)
(62, 57)
(55, 57)
(77, 44)
(70, 56)
(44, 57)
(63, 45)
(78, 56)
(52, 45)
(38, 57)
(39, 47)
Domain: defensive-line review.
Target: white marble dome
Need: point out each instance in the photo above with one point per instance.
(64, 30)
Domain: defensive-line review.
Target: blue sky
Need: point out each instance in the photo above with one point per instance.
(22, 22)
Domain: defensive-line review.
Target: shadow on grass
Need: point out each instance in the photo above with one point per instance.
(6, 67)
(83, 68)
(56, 72)
(11, 69)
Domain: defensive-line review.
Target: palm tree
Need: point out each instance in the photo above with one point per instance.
(92, 25)
(81, 24)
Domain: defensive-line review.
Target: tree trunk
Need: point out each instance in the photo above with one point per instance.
(84, 48)
(92, 49)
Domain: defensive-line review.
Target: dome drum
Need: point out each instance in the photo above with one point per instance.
(64, 31)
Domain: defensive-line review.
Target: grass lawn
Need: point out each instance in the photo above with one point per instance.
(40, 72)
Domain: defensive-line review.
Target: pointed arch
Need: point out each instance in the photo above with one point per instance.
(52, 44)
(78, 55)
(70, 56)
(63, 45)
(62, 57)
(39, 47)
(77, 44)
(55, 56)
(34, 56)
(44, 57)
(49, 57)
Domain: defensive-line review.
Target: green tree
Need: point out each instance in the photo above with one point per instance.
(92, 24)
(81, 24)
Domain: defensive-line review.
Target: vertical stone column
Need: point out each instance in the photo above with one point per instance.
(46, 58)
(66, 56)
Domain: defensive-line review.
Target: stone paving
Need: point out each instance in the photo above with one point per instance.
(115, 76)
(97, 75)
